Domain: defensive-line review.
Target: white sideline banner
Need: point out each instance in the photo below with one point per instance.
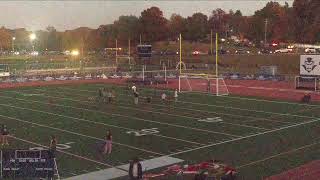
(310, 65)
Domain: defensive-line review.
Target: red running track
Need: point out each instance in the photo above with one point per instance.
(267, 89)
(309, 171)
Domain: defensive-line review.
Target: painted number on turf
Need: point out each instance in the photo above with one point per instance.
(144, 132)
(211, 120)
(59, 146)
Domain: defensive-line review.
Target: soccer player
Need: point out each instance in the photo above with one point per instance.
(108, 145)
(4, 135)
(148, 99)
(100, 94)
(104, 94)
(136, 97)
(134, 88)
(53, 146)
(109, 96)
(175, 95)
(163, 97)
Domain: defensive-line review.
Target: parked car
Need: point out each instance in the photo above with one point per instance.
(265, 51)
(168, 52)
(283, 50)
(242, 51)
(199, 53)
(310, 50)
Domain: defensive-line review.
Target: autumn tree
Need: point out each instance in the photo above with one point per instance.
(177, 24)
(197, 27)
(153, 25)
(5, 39)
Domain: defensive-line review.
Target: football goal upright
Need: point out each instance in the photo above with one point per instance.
(203, 83)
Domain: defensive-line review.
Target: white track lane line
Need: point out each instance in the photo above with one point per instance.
(130, 117)
(79, 134)
(246, 137)
(94, 122)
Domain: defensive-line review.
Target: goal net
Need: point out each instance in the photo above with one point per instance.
(308, 83)
(203, 83)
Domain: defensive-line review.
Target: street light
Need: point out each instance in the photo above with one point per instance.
(13, 39)
(32, 37)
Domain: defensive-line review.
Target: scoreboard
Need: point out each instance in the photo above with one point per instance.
(27, 164)
(144, 51)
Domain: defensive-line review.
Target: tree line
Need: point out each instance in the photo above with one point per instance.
(299, 23)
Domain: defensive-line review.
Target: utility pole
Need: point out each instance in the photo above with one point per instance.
(140, 39)
(116, 51)
(129, 50)
(211, 50)
(265, 31)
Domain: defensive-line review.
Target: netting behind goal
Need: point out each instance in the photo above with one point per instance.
(203, 84)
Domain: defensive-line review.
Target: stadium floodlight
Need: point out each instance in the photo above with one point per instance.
(32, 36)
(13, 39)
(75, 52)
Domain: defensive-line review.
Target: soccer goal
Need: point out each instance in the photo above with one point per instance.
(203, 83)
(305, 82)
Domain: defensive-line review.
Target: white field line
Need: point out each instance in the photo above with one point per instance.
(130, 117)
(263, 119)
(79, 134)
(64, 152)
(89, 121)
(198, 110)
(231, 97)
(277, 155)
(249, 110)
(142, 110)
(246, 137)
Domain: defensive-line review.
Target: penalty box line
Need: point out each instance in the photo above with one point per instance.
(169, 114)
(94, 122)
(228, 97)
(186, 102)
(246, 137)
(131, 117)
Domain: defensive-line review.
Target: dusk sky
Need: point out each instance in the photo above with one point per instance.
(34, 15)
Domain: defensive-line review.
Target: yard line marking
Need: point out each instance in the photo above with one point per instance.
(255, 118)
(94, 122)
(64, 152)
(280, 154)
(249, 110)
(246, 137)
(83, 135)
(193, 118)
(136, 118)
(243, 125)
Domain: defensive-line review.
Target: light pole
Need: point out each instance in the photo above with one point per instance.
(13, 39)
(32, 37)
(265, 31)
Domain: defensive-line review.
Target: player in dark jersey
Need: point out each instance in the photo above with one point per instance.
(53, 146)
(4, 135)
(136, 97)
(108, 143)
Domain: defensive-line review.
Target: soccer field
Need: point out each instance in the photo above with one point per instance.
(258, 137)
